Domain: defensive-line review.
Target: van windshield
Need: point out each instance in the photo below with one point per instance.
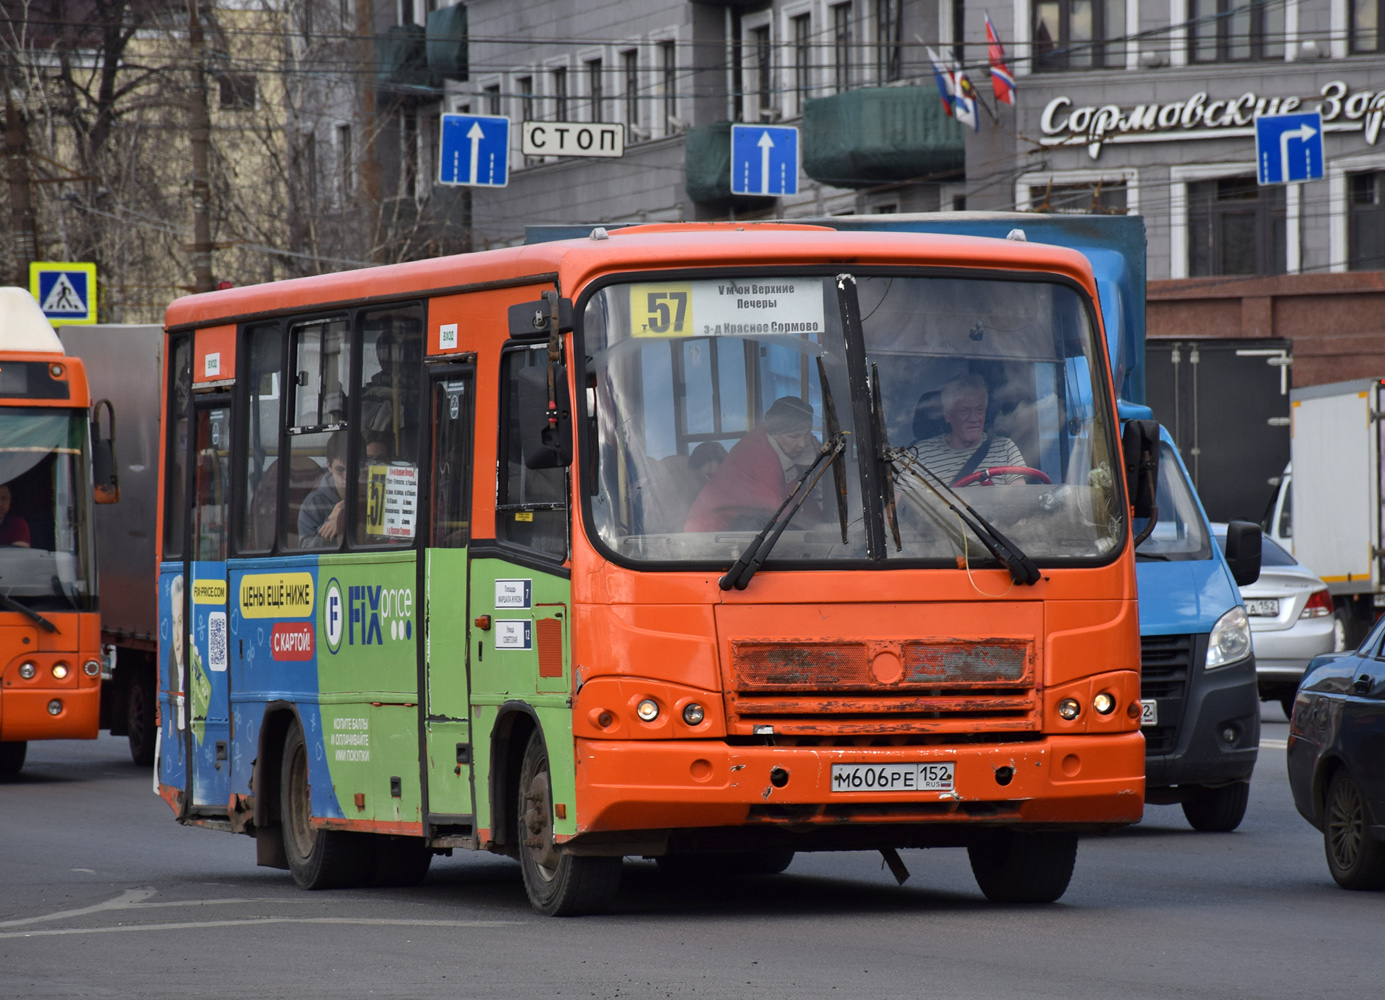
(711, 398)
(1181, 533)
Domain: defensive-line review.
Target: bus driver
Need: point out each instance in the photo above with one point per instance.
(966, 446)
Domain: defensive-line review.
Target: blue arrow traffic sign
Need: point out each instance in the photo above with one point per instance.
(1288, 148)
(475, 150)
(764, 160)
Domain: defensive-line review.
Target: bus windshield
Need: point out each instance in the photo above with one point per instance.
(713, 397)
(45, 544)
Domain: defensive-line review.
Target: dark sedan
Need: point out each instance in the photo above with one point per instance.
(1337, 759)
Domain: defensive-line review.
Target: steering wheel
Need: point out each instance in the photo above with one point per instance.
(985, 476)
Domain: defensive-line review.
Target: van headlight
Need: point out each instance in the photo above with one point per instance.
(1230, 639)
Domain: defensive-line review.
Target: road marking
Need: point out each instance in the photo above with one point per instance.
(253, 921)
(1274, 744)
(127, 898)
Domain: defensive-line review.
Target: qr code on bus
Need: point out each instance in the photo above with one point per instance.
(216, 640)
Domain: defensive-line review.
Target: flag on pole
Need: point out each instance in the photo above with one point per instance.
(1002, 80)
(964, 100)
(944, 81)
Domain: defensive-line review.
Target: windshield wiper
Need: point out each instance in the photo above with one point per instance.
(10, 604)
(1007, 553)
(758, 550)
(882, 442)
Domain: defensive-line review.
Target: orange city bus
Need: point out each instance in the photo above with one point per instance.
(704, 543)
(50, 625)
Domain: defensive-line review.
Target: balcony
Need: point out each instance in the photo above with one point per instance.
(877, 135)
(446, 36)
(401, 61)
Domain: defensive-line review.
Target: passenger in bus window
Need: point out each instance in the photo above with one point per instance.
(321, 519)
(966, 447)
(14, 530)
(759, 472)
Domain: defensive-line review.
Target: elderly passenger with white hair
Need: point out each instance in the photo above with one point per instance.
(966, 447)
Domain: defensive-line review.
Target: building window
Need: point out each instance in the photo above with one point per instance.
(1234, 31)
(669, 61)
(887, 29)
(237, 91)
(1072, 34)
(764, 73)
(525, 86)
(802, 58)
(1365, 25)
(595, 89)
(345, 170)
(1235, 226)
(959, 12)
(560, 94)
(1366, 221)
(492, 98)
(841, 46)
(630, 64)
(1091, 198)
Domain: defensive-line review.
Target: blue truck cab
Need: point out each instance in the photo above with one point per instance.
(1198, 688)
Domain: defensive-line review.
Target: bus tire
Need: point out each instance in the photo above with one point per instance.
(12, 756)
(139, 719)
(1013, 866)
(318, 859)
(401, 861)
(771, 861)
(1355, 858)
(558, 885)
(1217, 810)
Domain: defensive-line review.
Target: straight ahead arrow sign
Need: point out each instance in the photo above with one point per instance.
(475, 134)
(765, 144)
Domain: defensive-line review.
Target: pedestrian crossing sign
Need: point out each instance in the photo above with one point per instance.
(66, 292)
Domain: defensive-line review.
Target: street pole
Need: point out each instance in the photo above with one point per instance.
(200, 128)
(23, 222)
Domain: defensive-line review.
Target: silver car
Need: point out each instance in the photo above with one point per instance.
(1291, 620)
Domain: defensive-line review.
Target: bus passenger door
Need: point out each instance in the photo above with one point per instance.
(446, 715)
(207, 640)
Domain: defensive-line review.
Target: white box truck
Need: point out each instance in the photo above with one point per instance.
(1329, 509)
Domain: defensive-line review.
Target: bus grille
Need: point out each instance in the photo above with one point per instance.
(918, 686)
(1165, 665)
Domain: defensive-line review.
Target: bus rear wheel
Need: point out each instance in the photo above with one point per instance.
(318, 859)
(12, 756)
(1014, 866)
(558, 885)
(139, 719)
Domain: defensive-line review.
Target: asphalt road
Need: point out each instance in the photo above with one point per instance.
(103, 895)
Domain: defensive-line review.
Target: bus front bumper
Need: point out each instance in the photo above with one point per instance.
(27, 714)
(1072, 781)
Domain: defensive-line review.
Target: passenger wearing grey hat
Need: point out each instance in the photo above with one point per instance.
(760, 470)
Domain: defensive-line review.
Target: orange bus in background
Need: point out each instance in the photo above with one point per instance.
(704, 543)
(50, 625)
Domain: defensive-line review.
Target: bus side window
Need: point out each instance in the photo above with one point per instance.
(315, 517)
(531, 505)
(386, 433)
(175, 478)
(259, 513)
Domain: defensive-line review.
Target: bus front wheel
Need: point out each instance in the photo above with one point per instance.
(1015, 866)
(558, 885)
(12, 756)
(318, 859)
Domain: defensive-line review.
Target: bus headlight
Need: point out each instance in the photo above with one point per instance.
(91, 668)
(55, 707)
(1103, 704)
(693, 713)
(27, 671)
(647, 710)
(1069, 709)
(59, 671)
(1230, 639)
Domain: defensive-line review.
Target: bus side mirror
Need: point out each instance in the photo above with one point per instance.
(1140, 451)
(546, 438)
(105, 479)
(1243, 551)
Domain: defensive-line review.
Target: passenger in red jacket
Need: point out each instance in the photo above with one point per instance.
(14, 530)
(759, 472)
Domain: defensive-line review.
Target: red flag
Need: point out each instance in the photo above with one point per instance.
(1002, 80)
